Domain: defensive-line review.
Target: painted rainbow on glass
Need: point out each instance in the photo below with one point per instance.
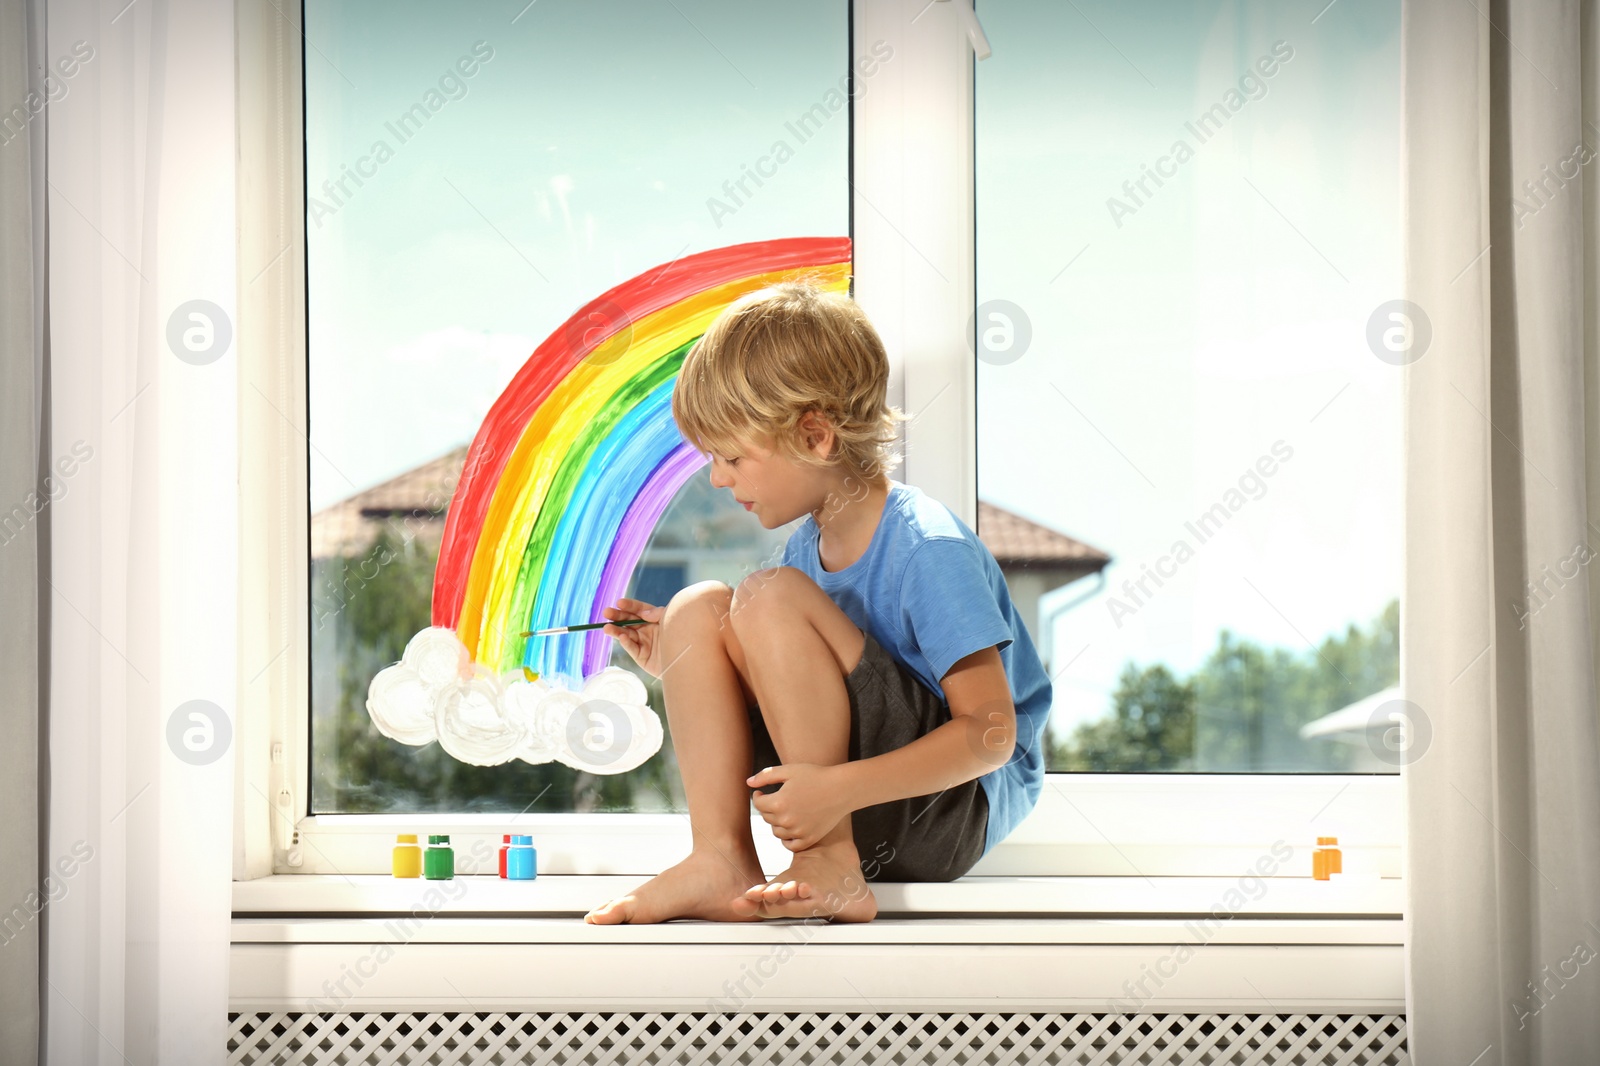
(578, 459)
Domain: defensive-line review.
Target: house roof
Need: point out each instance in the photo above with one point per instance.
(1356, 717)
(1016, 541)
(420, 496)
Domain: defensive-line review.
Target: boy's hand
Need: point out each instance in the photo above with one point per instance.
(642, 643)
(806, 808)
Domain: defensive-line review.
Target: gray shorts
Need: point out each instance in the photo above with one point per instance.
(924, 838)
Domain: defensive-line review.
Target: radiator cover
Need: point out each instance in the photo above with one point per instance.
(691, 1038)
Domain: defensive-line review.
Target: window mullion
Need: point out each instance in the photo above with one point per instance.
(913, 220)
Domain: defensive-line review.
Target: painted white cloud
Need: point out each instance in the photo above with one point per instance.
(436, 692)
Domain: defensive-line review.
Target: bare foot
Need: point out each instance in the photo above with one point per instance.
(823, 881)
(700, 886)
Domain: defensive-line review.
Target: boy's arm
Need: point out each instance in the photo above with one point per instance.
(980, 736)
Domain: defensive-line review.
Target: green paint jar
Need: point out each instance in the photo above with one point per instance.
(439, 861)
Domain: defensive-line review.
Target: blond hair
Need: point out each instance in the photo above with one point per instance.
(775, 354)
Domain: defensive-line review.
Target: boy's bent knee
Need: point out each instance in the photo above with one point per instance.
(702, 589)
(704, 602)
(772, 589)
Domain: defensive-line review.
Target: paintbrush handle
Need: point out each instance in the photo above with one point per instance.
(587, 625)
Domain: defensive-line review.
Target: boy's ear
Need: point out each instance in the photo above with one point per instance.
(814, 428)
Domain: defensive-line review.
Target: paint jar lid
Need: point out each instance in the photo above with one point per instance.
(406, 838)
(506, 839)
(439, 838)
(526, 841)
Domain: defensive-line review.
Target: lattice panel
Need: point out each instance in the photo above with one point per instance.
(804, 1039)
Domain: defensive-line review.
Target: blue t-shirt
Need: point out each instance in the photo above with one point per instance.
(930, 592)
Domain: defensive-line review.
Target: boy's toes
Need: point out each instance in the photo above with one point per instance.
(785, 891)
(613, 913)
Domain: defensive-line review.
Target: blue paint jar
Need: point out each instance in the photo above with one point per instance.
(522, 859)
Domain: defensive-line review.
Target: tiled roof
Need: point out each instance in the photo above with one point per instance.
(1017, 541)
(422, 494)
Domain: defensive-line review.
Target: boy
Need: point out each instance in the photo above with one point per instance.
(879, 681)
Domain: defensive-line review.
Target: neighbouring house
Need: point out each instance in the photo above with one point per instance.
(1376, 727)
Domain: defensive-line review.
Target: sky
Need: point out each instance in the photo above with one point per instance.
(1199, 325)
(1175, 339)
(581, 153)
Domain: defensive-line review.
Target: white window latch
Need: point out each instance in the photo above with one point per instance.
(284, 832)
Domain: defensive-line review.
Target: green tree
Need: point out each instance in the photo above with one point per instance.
(1151, 726)
(1242, 710)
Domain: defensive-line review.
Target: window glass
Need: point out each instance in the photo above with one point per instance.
(1188, 362)
(475, 175)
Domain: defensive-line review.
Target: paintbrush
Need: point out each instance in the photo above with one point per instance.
(588, 625)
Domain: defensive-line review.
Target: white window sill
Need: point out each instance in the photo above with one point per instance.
(571, 896)
(362, 943)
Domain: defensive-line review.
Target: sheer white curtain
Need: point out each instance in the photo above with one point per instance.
(1502, 156)
(136, 582)
(21, 356)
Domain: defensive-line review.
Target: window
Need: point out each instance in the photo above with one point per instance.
(473, 177)
(544, 177)
(1186, 221)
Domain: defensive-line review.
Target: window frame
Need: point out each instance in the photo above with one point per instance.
(914, 231)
